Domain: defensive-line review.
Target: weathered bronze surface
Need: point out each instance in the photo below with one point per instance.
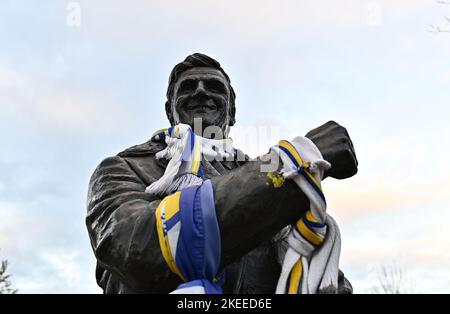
(253, 208)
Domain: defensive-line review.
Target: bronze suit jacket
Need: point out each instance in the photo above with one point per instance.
(122, 229)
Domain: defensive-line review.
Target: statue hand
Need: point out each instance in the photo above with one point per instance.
(336, 147)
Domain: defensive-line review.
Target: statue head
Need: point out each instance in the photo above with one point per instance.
(200, 89)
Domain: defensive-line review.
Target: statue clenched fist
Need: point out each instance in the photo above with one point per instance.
(336, 147)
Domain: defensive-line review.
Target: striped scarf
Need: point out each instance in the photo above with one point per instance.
(185, 151)
(188, 230)
(311, 261)
(189, 238)
(186, 221)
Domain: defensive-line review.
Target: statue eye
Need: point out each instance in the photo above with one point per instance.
(187, 86)
(215, 86)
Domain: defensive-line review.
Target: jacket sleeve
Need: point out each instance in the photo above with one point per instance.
(122, 229)
(253, 206)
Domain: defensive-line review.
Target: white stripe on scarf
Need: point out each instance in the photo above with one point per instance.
(177, 144)
(320, 265)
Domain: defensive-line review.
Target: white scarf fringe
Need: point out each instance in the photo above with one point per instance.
(172, 180)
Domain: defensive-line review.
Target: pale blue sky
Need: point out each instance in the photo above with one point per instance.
(71, 96)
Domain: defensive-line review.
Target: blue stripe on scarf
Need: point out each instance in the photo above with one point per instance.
(206, 284)
(212, 234)
(312, 224)
(301, 170)
(313, 184)
(172, 221)
(187, 153)
(198, 249)
(288, 153)
(190, 241)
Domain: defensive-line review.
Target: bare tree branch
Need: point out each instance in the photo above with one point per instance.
(5, 283)
(392, 279)
(443, 27)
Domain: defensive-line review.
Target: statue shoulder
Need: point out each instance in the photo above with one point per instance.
(122, 162)
(136, 161)
(142, 150)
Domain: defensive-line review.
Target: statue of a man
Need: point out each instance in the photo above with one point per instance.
(251, 211)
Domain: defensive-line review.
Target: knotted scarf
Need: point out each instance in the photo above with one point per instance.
(311, 261)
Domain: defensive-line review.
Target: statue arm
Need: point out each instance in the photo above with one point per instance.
(252, 209)
(122, 228)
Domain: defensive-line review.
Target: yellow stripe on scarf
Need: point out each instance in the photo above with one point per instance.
(309, 234)
(296, 276)
(169, 206)
(299, 160)
(310, 216)
(292, 150)
(196, 157)
(176, 131)
(172, 205)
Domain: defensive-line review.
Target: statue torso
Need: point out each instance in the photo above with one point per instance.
(256, 272)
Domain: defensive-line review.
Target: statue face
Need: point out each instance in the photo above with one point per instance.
(202, 93)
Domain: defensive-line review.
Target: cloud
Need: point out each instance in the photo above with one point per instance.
(67, 267)
(41, 104)
(395, 210)
(407, 238)
(56, 271)
(17, 227)
(398, 171)
(426, 262)
(46, 253)
(73, 80)
(258, 18)
(359, 198)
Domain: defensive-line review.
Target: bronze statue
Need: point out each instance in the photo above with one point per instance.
(121, 220)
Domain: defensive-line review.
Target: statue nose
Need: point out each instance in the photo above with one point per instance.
(200, 88)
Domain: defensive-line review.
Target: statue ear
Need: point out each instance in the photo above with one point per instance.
(169, 112)
(232, 107)
(232, 116)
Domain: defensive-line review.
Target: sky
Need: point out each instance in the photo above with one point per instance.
(83, 80)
